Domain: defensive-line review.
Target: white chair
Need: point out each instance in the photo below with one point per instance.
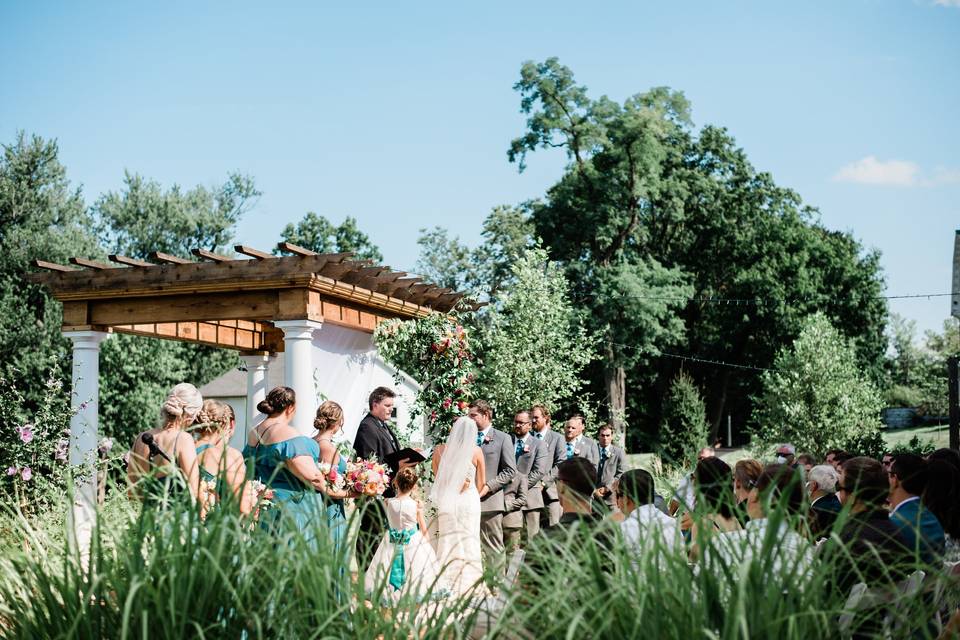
(862, 598)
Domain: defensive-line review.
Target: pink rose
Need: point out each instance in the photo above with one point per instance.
(26, 433)
(12, 471)
(26, 473)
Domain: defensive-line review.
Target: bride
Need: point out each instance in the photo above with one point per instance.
(459, 473)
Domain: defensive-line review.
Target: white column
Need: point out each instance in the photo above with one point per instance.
(298, 369)
(85, 401)
(258, 367)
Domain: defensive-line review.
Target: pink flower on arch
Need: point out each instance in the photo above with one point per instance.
(26, 473)
(60, 453)
(12, 471)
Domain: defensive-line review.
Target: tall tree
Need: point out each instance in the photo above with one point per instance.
(592, 219)
(318, 234)
(144, 218)
(41, 216)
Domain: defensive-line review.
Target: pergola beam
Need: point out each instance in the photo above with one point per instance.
(167, 258)
(210, 255)
(130, 262)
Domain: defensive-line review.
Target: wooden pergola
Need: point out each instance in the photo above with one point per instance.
(258, 304)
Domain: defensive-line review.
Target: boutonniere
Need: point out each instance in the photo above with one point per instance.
(526, 448)
(576, 452)
(487, 439)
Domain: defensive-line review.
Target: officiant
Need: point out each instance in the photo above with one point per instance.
(375, 439)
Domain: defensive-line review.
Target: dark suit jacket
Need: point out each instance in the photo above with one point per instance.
(613, 468)
(533, 464)
(376, 440)
(823, 513)
(869, 550)
(501, 465)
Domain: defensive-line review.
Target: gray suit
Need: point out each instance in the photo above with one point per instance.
(553, 443)
(587, 448)
(613, 467)
(534, 464)
(500, 468)
(515, 496)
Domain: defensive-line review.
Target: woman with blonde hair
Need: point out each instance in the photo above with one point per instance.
(162, 466)
(220, 464)
(328, 423)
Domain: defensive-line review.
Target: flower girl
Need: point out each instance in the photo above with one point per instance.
(404, 563)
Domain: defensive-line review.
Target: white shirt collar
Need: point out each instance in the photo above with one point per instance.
(910, 499)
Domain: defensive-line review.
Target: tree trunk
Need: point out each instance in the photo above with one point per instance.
(615, 377)
(717, 401)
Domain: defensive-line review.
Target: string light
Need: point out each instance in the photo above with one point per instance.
(677, 356)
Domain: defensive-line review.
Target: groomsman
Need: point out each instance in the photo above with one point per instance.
(577, 444)
(612, 464)
(501, 465)
(553, 444)
(532, 463)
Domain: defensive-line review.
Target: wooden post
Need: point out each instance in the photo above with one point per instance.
(954, 396)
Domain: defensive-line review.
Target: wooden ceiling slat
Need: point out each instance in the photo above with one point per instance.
(295, 249)
(210, 255)
(169, 259)
(253, 253)
(52, 266)
(90, 264)
(130, 262)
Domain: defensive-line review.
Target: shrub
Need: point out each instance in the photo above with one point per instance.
(684, 427)
(903, 396)
(816, 397)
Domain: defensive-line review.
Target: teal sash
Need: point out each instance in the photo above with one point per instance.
(399, 538)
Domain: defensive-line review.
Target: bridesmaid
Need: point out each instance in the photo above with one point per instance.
(328, 423)
(286, 462)
(218, 461)
(157, 480)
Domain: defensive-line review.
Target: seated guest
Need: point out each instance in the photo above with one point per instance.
(745, 474)
(918, 527)
(576, 479)
(685, 495)
(824, 504)
(771, 537)
(868, 547)
(806, 461)
(942, 497)
(786, 454)
(714, 512)
(836, 458)
(643, 523)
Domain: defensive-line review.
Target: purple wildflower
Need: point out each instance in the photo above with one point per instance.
(106, 444)
(26, 433)
(12, 471)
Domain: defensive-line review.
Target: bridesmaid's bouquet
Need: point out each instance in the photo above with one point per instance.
(367, 477)
(329, 472)
(263, 497)
(210, 494)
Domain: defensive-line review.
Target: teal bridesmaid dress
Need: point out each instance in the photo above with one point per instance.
(295, 503)
(336, 515)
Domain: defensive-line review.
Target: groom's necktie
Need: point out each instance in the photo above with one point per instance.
(569, 450)
(519, 449)
(479, 438)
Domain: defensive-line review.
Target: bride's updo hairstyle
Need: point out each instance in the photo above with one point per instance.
(406, 479)
(277, 401)
(213, 418)
(329, 415)
(183, 403)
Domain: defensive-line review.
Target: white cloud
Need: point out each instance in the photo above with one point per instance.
(947, 3)
(869, 170)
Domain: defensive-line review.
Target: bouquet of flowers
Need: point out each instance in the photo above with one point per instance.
(367, 477)
(210, 494)
(262, 497)
(329, 472)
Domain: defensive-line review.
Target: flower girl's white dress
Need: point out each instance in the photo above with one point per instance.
(404, 563)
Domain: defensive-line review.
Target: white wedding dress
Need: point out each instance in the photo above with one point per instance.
(458, 514)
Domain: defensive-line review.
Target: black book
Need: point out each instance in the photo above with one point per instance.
(412, 455)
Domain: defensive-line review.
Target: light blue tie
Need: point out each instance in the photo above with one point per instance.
(539, 435)
(519, 450)
(479, 438)
(569, 450)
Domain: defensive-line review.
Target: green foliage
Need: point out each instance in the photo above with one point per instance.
(130, 398)
(436, 352)
(684, 427)
(917, 373)
(903, 396)
(33, 444)
(817, 398)
(534, 344)
(41, 216)
(482, 271)
(144, 218)
(916, 446)
(318, 234)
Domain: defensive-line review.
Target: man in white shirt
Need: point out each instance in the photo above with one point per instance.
(686, 494)
(644, 523)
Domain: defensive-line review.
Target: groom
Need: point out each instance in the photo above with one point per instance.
(501, 465)
(375, 439)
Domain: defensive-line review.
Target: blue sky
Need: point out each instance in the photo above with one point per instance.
(400, 114)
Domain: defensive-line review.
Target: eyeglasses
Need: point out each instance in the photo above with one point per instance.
(521, 422)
